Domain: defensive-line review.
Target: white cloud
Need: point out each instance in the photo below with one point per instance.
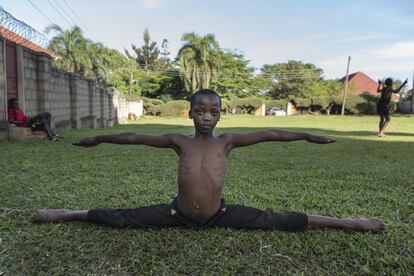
(397, 50)
(396, 61)
(152, 4)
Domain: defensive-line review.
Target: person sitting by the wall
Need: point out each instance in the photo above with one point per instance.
(41, 121)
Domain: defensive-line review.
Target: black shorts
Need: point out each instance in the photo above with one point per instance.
(229, 216)
(383, 109)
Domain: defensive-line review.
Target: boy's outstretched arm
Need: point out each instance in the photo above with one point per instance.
(161, 141)
(247, 139)
(402, 85)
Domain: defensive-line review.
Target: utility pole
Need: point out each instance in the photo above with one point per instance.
(412, 96)
(130, 79)
(346, 86)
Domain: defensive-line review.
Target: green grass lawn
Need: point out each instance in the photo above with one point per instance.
(359, 176)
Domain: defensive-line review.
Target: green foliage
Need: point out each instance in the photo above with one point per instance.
(175, 108)
(147, 55)
(323, 102)
(246, 105)
(235, 78)
(198, 60)
(363, 104)
(303, 102)
(293, 79)
(71, 48)
(225, 106)
(152, 106)
(76, 54)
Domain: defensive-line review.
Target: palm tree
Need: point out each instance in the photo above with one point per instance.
(198, 60)
(102, 61)
(71, 48)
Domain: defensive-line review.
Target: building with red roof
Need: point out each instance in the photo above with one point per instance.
(359, 84)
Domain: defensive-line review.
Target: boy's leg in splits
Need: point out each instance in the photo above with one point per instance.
(357, 224)
(142, 217)
(230, 216)
(237, 216)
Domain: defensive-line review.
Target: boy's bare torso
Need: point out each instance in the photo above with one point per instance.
(201, 172)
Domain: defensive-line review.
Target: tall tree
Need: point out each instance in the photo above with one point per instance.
(291, 79)
(198, 60)
(70, 47)
(235, 79)
(103, 60)
(164, 61)
(147, 55)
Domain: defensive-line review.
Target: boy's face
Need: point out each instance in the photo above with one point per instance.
(205, 113)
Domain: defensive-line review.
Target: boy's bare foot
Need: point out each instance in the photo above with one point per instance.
(381, 134)
(363, 224)
(50, 215)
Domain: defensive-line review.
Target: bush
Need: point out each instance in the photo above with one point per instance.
(364, 104)
(175, 108)
(152, 106)
(353, 104)
(225, 106)
(246, 105)
(303, 102)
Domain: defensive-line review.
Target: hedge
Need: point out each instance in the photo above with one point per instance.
(152, 106)
(364, 104)
(246, 105)
(175, 108)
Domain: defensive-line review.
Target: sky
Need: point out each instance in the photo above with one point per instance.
(377, 34)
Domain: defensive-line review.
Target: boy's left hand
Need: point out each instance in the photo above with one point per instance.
(320, 140)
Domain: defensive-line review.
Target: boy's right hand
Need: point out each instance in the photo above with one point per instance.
(87, 142)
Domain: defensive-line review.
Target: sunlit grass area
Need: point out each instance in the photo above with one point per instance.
(359, 176)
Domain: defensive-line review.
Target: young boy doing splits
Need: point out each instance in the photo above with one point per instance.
(201, 171)
(384, 102)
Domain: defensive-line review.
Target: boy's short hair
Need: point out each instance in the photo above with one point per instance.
(388, 81)
(204, 92)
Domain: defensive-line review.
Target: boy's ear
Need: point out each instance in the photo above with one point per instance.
(189, 114)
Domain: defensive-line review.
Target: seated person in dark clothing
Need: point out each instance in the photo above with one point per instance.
(201, 172)
(41, 121)
(384, 102)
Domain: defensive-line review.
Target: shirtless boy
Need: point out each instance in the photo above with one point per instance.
(201, 171)
(384, 102)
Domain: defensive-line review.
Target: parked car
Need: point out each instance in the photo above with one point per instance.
(276, 111)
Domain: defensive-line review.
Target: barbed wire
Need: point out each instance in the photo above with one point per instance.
(20, 28)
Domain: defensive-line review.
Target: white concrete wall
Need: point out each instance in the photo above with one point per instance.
(123, 108)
